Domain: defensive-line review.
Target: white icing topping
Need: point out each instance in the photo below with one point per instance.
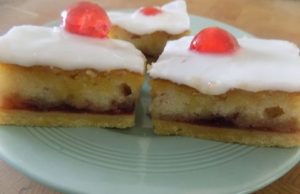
(173, 19)
(37, 45)
(258, 65)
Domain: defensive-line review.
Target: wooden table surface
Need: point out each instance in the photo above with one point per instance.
(263, 18)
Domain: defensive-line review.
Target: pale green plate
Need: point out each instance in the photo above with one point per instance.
(135, 161)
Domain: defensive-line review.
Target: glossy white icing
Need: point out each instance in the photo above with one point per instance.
(174, 19)
(258, 65)
(37, 45)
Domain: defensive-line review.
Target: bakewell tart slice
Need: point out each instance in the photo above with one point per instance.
(50, 77)
(149, 28)
(215, 87)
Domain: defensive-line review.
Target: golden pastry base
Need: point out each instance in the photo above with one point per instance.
(243, 136)
(62, 119)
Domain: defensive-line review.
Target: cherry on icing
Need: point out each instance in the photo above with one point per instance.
(88, 19)
(150, 11)
(214, 40)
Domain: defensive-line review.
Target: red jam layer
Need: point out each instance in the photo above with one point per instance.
(38, 105)
(229, 122)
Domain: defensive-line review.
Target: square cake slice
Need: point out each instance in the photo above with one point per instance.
(49, 77)
(149, 28)
(249, 96)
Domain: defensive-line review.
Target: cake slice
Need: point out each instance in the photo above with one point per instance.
(149, 28)
(215, 87)
(50, 77)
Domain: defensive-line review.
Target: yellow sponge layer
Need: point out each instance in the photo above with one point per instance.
(269, 118)
(151, 45)
(82, 97)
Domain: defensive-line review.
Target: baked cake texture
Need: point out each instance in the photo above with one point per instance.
(58, 79)
(149, 33)
(246, 97)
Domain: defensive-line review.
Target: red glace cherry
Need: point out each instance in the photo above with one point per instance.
(150, 11)
(214, 40)
(88, 19)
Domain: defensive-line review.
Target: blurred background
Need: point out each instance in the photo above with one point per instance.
(264, 18)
